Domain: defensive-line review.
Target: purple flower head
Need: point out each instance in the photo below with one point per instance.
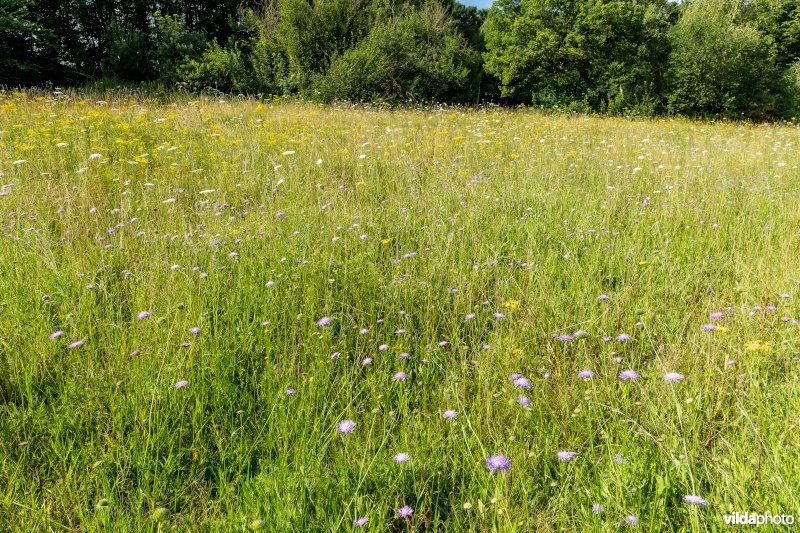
(185, 344)
(401, 458)
(586, 374)
(400, 376)
(403, 355)
(405, 512)
(363, 331)
(619, 458)
(181, 384)
(135, 353)
(499, 315)
(695, 500)
(497, 462)
(76, 344)
(523, 383)
(470, 316)
(383, 347)
(346, 426)
(524, 401)
(367, 361)
(450, 414)
(442, 344)
(195, 331)
(606, 338)
(56, 334)
(564, 455)
(143, 314)
(565, 337)
(631, 519)
(716, 315)
(360, 522)
(324, 322)
(291, 392)
(627, 375)
(514, 377)
(708, 327)
(603, 297)
(597, 508)
(623, 337)
(673, 377)
(399, 331)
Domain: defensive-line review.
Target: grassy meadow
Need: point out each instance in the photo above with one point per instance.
(195, 296)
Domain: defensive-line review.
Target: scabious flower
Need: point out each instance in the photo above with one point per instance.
(603, 297)
(631, 519)
(143, 314)
(56, 334)
(367, 361)
(450, 414)
(291, 392)
(497, 462)
(324, 322)
(673, 377)
(383, 347)
(405, 512)
(401, 458)
(564, 455)
(523, 401)
(523, 383)
(470, 316)
(717, 315)
(195, 331)
(708, 327)
(623, 337)
(400, 376)
(597, 508)
(345, 426)
(76, 344)
(619, 458)
(695, 500)
(515, 376)
(586, 374)
(181, 384)
(360, 522)
(629, 375)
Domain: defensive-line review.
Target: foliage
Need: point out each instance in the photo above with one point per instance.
(719, 64)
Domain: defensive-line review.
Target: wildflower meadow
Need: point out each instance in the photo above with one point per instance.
(230, 314)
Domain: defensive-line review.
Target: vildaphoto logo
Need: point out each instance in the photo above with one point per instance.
(742, 519)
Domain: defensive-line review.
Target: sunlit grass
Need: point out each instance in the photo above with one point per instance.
(458, 247)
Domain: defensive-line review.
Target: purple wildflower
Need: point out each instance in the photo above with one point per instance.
(631, 519)
(401, 458)
(56, 334)
(383, 347)
(631, 375)
(586, 374)
(673, 377)
(76, 344)
(360, 522)
(405, 511)
(694, 500)
(597, 508)
(515, 376)
(291, 392)
(523, 401)
(450, 414)
(499, 315)
(623, 337)
(564, 455)
(195, 331)
(400, 376)
(470, 316)
(143, 314)
(523, 383)
(181, 384)
(708, 327)
(366, 361)
(603, 297)
(497, 462)
(345, 426)
(716, 315)
(135, 353)
(324, 322)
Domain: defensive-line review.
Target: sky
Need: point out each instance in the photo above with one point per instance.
(477, 3)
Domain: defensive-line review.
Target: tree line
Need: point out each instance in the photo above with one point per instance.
(708, 58)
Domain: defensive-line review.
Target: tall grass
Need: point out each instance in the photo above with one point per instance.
(384, 220)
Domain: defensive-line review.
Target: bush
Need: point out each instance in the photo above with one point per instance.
(223, 69)
(719, 67)
(419, 56)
